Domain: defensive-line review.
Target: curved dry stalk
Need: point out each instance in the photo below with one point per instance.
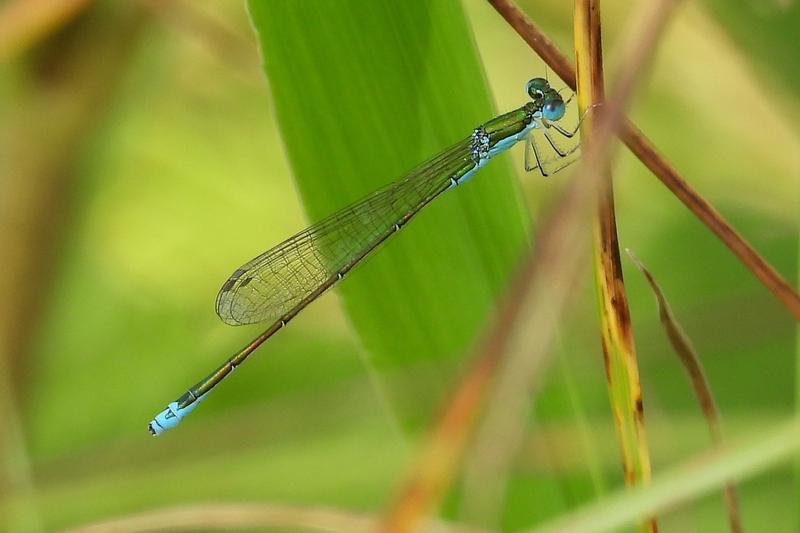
(227, 45)
(25, 22)
(516, 349)
(16, 474)
(46, 130)
(216, 517)
(616, 332)
(644, 150)
(688, 356)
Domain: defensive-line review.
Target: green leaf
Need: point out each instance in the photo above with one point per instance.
(364, 91)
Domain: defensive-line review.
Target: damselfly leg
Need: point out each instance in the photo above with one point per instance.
(562, 153)
(534, 156)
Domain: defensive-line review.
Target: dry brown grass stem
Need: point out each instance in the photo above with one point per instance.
(23, 23)
(616, 331)
(643, 149)
(514, 352)
(216, 517)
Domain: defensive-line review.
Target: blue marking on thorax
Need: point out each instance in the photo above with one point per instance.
(467, 175)
(498, 148)
(508, 142)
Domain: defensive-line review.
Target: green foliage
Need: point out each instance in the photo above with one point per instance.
(182, 178)
(363, 92)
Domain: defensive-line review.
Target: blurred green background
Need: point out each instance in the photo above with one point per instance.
(144, 156)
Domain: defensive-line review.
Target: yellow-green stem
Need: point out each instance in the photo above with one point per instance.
(621, 365)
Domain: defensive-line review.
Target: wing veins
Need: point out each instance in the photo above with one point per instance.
(274, 282)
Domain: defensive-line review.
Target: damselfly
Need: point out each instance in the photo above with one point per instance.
(282, 281)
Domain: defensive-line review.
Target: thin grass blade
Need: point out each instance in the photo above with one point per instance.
(688, 356)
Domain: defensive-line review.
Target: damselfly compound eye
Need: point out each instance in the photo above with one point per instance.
(553, 109)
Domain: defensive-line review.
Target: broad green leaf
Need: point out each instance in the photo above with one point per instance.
(364, 91)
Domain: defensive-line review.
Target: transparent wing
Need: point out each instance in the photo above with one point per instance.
(275, 282)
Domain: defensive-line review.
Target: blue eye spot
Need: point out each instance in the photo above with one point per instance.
(553, 109)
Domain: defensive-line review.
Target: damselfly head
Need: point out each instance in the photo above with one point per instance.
(547, 98)
(537, 88)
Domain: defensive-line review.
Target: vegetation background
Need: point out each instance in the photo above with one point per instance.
(144, 156)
